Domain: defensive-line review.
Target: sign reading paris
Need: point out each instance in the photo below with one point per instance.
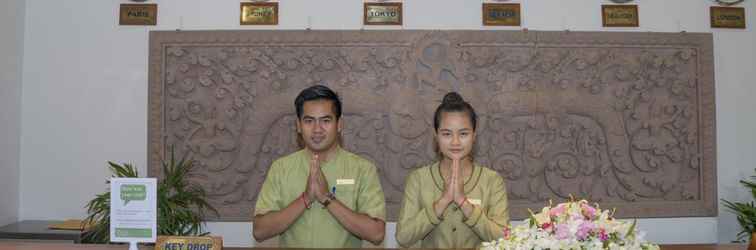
(138, 14)
(619, 15)
(259, 14)
(382, 14)
(727, 17)
(501, 14)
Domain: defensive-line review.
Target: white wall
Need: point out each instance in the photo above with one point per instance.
(85, 89)
(11, 55)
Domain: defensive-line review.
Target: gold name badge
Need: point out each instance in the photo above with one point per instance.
(619, 15)
(501, 14)
(138, 14)
(382, 14)
(727, 17)
(188, 243)
(259, 14)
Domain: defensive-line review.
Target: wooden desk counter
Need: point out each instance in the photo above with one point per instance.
(37, 230)
(63, 246)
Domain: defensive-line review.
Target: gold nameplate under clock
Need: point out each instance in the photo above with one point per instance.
(382, 14)
(728, 17)
(501, 14)
(165, 242)
(138, 14)
(259, 14)
(619, 15)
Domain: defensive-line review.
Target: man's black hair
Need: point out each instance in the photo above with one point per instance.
(318, 92)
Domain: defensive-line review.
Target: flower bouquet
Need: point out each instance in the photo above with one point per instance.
(572, 225)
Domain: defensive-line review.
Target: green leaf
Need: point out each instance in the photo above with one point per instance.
(745, 212)
(631, 231)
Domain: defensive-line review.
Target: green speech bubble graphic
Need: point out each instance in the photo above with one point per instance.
(133, 192)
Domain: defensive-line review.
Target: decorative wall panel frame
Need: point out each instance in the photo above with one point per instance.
(622, 118)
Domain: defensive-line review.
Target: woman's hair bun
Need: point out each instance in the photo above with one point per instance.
(453, 97)
(453, 102)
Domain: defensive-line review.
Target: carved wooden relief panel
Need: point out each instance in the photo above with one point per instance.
(624, 119)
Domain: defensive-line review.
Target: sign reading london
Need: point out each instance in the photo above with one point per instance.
(382, 14)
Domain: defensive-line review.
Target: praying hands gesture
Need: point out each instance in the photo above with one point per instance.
(453, 191)
(317, 186)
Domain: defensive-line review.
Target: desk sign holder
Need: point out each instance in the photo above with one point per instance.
(133, 210)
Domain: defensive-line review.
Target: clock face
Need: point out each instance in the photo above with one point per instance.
(729, 2)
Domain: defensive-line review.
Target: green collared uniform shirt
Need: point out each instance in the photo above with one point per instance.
(354, 181)
(418, 222)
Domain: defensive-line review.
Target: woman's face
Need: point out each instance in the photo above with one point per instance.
(455, 135)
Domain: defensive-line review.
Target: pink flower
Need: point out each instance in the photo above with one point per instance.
(562, 231)
(602, 235)
(507, 233)
(584, 229)
(546, 226)
(588, 211)
(576, 216)
(557, 211)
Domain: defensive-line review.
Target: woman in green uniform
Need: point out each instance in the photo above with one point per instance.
(453, 203)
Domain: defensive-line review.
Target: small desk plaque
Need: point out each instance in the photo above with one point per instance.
(165, 242)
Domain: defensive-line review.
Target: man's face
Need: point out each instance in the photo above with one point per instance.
(318, 126)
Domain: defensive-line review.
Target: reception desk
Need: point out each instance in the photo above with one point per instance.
(38, 230)
(62, 246)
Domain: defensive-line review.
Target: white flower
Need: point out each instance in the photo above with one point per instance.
(566, 220)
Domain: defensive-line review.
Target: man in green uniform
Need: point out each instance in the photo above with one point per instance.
(321, 196)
